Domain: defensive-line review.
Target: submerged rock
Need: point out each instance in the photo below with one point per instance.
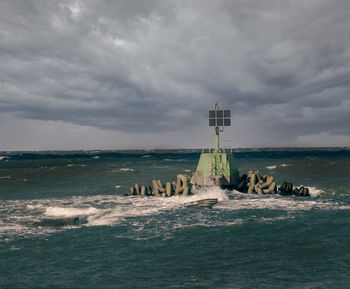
(202, 203)
(60, 222)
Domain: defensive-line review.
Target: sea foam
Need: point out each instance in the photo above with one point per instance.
(69, 212)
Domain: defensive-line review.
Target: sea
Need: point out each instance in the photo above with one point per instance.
(244, 241)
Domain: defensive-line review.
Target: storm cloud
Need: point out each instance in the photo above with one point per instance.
(141, 74)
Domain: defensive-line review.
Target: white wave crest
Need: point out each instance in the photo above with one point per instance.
(276, 202)
(271, 167)
(123, 170)
(314, 192)
(135, 206)
(69, 212)
(35, 207)
(8, 228)
(209, 193)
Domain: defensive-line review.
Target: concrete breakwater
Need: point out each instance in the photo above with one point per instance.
(181, 186)
(255, 183)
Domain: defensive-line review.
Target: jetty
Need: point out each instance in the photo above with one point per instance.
(218, 168)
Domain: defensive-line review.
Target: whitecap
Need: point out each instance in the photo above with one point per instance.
(134, 206)
(208, 224)
(271, 167)
(14, 248)
(314, 191)
(3, 157)
(122, 170)
(276, 202)
(35, 207)
(127, 170)
(11, 228)
(208, 193)
(118, 186)
(285, 165)
(69, 212)
(5, 177)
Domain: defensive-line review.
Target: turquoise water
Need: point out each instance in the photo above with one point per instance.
(245, 241)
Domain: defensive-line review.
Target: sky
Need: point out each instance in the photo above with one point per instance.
(132, 74)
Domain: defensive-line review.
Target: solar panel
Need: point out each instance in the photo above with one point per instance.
(227, 122)
(219, 118)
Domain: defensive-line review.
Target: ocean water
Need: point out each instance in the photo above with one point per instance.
(245, 241)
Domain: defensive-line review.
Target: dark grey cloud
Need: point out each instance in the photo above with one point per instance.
(154, 68)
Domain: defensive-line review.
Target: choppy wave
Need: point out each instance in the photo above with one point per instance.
(69, 212)
(271, 167)
(314, 191)
(275, 202)
(127, 170)
(76, 165)
(17, 217)
(123, 170)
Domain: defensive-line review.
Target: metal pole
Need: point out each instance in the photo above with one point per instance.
(217, 132)
(217, 140)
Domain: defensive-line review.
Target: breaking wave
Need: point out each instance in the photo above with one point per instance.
(69, 212)
(122, 170)
(17, 217)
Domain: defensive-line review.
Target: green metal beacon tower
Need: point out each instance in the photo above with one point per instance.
(217, 168)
